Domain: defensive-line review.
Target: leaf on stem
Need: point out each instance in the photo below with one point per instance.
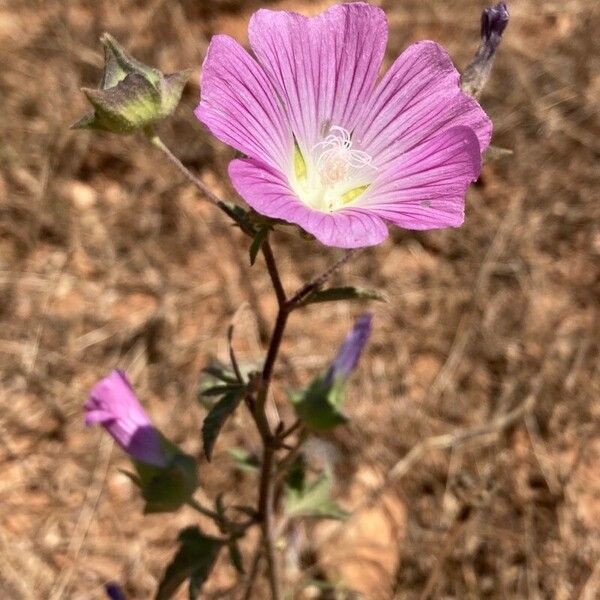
(343, 293)
(194, 560)
(313, 500)
(221, 373)
(221, 390)
(240, 216)
(215, 419)
(235, 556)
(257, 243)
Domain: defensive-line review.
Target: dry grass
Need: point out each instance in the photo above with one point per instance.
(108, 258)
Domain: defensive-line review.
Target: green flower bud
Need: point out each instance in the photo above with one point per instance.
(131, 95)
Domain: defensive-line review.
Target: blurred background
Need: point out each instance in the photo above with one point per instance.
(475, 415)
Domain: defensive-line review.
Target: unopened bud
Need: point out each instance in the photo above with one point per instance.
(131, 95)
(493, 23)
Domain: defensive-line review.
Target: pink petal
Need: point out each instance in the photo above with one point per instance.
(324, 67)
(268, 192)
(93, 416)
(418, 98)
(425, 188)
(240, 106)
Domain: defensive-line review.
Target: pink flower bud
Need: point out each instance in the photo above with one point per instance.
(114, 405)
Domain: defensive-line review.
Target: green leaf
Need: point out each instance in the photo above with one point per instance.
(194, 560)
(215, 419)
(221, 390)
(244, 460)
(313, 501)
(344, 293)
(236, 556)
(240, 216)
(319, 406)
(221, 373)
(296, 475)
(257, 242)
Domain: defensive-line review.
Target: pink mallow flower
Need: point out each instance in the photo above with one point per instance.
(330, 147)
(114, 405)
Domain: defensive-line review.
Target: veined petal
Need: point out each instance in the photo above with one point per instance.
(268, 192)
(418, 98)
(324, 67)
(425, 188)
(240, 105)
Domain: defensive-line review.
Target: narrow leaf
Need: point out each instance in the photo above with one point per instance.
(236, 556)
(220, 390)
(257, 243)
(194, 560)
(239, 215)
(344, 293)
(215, 419)
(221, 373)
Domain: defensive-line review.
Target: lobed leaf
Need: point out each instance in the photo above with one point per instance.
(194, 560)
(257, 242)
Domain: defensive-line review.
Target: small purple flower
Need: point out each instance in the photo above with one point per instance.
(494, 20)
(347, 357)
(328, 145)
(114, 405)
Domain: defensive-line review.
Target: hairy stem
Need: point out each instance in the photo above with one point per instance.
(273, 272)
(265, 511)
(206, 191)
(253, 572)
(269, 479)
(267, 484)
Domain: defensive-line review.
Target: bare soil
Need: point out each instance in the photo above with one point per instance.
(490, 338)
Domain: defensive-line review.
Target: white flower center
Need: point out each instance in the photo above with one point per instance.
(333, 174)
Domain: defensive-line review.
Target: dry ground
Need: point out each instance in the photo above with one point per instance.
(108, 258)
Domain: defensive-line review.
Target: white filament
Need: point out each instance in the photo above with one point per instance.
(334, 168)
(336, 161)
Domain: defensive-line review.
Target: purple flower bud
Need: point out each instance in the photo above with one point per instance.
(114, 405)
(347, 357)
(494, 20)
(114, 591)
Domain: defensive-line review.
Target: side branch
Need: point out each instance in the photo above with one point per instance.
(318, 281)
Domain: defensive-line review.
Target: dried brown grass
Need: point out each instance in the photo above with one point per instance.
(108, 258)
